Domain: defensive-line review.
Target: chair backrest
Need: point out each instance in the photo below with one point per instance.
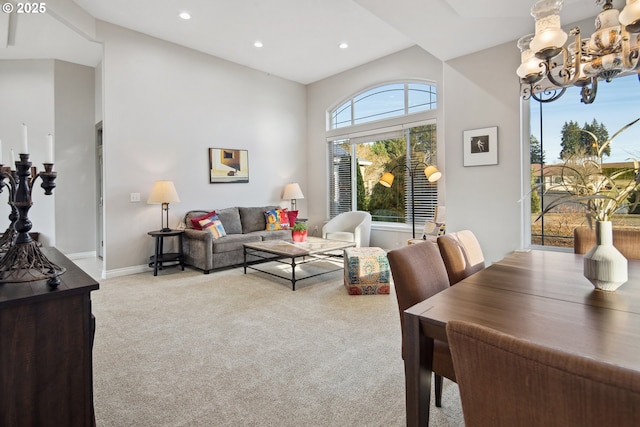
(356, 222)
(461, 253)
(506, 381)
(626, 241)
(418, 273)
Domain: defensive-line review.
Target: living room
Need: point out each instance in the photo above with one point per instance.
(158, 108)
(162, 106)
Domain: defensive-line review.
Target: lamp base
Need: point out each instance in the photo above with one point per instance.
(165, 229)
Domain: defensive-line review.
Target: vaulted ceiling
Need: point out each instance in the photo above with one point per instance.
(300, 37)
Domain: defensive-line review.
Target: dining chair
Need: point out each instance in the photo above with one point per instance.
(418, 273)
(625, 240)
(507, 381)
(461, 253)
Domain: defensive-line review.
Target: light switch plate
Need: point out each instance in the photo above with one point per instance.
(134, 197)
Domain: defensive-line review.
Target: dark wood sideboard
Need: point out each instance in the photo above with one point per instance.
(46, 340)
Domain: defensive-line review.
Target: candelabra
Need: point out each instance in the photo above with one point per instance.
(7, 238)
(24, 261)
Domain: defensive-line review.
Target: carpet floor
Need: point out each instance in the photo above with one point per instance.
(228, 349)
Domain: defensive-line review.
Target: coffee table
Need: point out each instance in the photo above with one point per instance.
(313, 250)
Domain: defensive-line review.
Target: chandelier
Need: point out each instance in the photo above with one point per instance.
(612, 49)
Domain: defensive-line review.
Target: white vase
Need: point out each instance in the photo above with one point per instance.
(604, 265)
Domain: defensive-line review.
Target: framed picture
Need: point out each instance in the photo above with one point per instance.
(228, 165)
(481, 147)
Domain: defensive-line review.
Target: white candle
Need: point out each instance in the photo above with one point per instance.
(13, 159)
(25, 145)
(49, 157)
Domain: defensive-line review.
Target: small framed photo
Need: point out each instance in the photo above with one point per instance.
(481, 147)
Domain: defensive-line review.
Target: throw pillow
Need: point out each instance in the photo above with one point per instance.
(195, 222)
(272, 219)
(213, 226)
(284, 218)
(293, 215)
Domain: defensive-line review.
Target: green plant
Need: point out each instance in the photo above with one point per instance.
(299, 226)
(600, 191)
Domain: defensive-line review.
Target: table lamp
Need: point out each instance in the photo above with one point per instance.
(292, 191)
(163, 192)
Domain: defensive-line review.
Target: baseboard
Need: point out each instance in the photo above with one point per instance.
(81, 255)
(125, 271)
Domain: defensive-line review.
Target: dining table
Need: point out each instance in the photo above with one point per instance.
(538, 295)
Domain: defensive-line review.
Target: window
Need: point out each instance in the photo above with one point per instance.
(358, 163)
(389, 128)
(616, 105)
(383, 102)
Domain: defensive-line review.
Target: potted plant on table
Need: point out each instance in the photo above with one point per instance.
(299, 232)
(602, 193)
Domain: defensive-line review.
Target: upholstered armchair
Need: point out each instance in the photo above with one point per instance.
(354, 226)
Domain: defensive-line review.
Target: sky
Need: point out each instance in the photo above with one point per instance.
(617, 104)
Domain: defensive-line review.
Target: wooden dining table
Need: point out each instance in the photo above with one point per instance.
(540, 296)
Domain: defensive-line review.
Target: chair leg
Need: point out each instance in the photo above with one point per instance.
(438, 390)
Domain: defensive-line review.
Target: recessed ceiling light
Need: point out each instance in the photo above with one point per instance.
(184, 15)
(258, 43)
(343, 45)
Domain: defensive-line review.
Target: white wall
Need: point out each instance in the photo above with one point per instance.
(482, 90)
(164, 106)
(75, 158)
(412, 63)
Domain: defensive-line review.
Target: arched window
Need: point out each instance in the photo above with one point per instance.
(383, 102)
(388, 127)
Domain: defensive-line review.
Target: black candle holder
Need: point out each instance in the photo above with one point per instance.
(7, 238)
(24, 261)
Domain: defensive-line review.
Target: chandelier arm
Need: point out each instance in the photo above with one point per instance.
(588, 94)
(570, 69)
(629, 59)
(557, 93)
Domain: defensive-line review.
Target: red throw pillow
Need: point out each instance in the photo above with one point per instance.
(195, 222)
(284, 218)
(293, 215)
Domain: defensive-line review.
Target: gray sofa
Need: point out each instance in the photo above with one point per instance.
(242, 225)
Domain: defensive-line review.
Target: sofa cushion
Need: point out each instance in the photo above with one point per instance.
(234, 242)
(252, 218)
(230, 219)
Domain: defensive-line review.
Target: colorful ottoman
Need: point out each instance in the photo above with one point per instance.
(366, 271)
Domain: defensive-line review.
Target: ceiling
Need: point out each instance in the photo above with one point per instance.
(300, 37)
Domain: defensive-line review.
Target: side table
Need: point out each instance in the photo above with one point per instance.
(159, 258)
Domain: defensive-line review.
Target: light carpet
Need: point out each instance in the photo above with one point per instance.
(228, 349)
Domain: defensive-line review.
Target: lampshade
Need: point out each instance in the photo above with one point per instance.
(432, 173)
(163, 192)
(548, 33)
(387, 179)
(630, 16)
(292, 191)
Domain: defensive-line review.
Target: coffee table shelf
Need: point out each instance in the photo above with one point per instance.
(313, 250)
